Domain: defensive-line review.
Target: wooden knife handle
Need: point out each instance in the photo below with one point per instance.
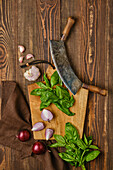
(67, 28)
(95, 89)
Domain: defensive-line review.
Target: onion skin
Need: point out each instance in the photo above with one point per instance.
(23, 135)
(46, 115)
(38, 148)
(38, 126)
(48, 133)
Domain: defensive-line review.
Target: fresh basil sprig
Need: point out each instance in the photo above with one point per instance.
(58, 95)
(78, 151)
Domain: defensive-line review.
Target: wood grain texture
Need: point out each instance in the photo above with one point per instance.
(89, 48)
(60, 118)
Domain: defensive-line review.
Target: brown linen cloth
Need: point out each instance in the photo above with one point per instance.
(15, 117)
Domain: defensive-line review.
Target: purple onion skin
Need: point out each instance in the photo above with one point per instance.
(46, 115)
(23, 135)
(38, 126)
(48, 133)
(38, 148)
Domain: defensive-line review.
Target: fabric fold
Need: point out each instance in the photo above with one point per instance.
(15, 117)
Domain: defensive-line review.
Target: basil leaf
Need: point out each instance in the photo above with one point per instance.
(62, 92)
(83, 167)
(46, 80)
(64, 103)
(65, 110)
(45, 104)
(59, 138)
(71, 132)
(76, 164)
(72, 101)
(81, 144)
(72, 163)
(78, 156)
(66, 157)
(49, 95)
(54, 79)
(67, 103)
(90, 141)
(93, 147)
(54, 145)
(37, 92)
(60, 81)
(84, 157)
(42, 85)
(72, 145)
(85, 139)
(92, 155)
(89, 138)
(69, 150)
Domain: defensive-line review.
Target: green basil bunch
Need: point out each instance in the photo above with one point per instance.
(78, 151)
(59, 95)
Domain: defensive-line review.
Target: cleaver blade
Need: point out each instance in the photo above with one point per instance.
(60, 59)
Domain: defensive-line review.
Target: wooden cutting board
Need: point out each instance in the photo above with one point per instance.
(60, 118)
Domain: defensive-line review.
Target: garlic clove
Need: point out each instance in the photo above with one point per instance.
(21, 59)
(38, 126)
(48, 133)
(46, 115)
(21, 48)
(29, 56)
(32, 74)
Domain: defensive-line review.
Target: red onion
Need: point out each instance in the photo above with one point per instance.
(46, 115)
(48, 133)
(38, 148)
(38, 126)
(23, 135)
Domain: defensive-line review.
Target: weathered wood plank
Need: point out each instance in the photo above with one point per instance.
(8, 38)
(21, 23)
(109, 82)
(89, 47)
(87, 54)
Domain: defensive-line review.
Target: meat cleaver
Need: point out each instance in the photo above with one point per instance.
(60, 59)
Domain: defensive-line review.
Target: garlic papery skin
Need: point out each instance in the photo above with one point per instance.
(21, 48)
(32, 74)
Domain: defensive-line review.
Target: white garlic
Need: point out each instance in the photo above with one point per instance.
(32, 74)
(29, 56)
(21, 59)
(21, 48)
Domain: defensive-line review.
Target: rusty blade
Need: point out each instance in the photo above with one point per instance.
(67, 75)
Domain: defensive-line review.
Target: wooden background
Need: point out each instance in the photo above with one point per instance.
(89, 48)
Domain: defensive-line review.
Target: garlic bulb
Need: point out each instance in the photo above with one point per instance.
(32, 74)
